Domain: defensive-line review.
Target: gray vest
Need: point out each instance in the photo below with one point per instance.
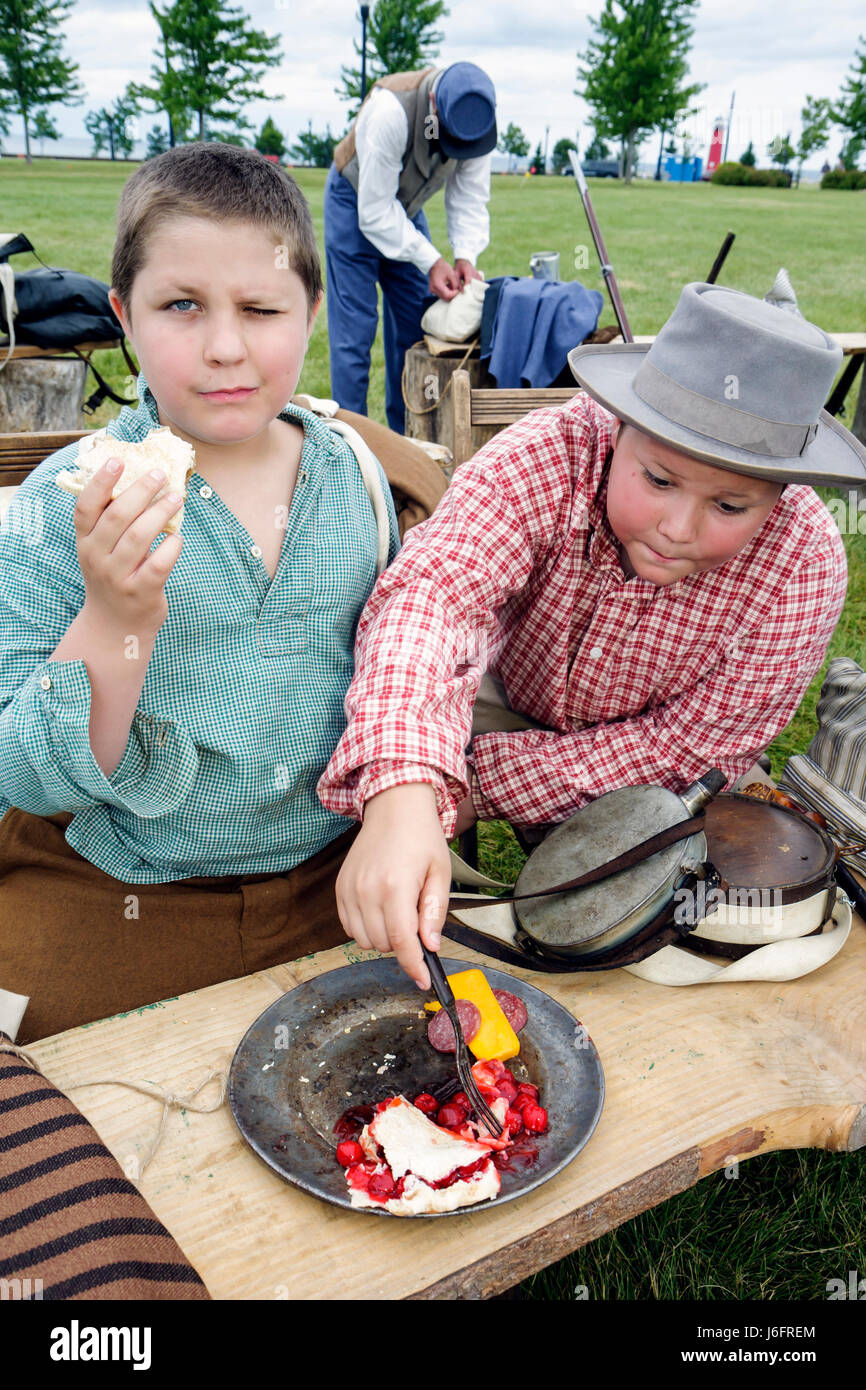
(425, 168)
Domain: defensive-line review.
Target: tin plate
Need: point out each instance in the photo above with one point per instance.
(358, 1035)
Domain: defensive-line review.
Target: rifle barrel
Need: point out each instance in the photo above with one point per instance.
(601, 249)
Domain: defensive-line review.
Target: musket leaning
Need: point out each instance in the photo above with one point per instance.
(606, 267)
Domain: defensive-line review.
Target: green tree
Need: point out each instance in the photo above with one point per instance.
(44, 129)
(157, 142)
(32, 69)
(748, 156)
(270, 140)
(312, 150)
(213, 63)
(815, 132)
(167, 95)
(597, 149)
(116, 127)
(400, 38)
(850, 110)
(538, 159)
(780, 150)
(513, 142)
(559, 159)
(851, 151)
(633, 70)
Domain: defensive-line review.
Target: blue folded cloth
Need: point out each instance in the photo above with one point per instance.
(536, 324)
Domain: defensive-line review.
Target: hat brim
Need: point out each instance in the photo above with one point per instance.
(607, 371)
(467, 149)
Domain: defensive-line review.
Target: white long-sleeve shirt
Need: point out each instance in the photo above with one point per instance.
(380, 141)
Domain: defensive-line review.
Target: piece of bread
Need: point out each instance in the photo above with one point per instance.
(161, 449)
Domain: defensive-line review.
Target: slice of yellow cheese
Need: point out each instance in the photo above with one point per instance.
(495, 1039)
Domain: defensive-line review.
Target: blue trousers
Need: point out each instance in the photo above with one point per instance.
(354, 268)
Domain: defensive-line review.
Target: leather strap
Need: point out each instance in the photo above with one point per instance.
(627, 860)
(662, 930)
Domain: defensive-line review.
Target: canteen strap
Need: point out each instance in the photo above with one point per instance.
(627, 860)
(662, 930)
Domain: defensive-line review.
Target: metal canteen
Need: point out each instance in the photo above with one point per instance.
(606, 914)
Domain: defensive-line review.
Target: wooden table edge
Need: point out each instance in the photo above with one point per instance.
(843, 1130)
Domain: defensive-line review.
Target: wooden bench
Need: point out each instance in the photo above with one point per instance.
(20, 453)
(492, 410)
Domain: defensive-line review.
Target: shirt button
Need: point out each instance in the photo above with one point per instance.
(595, 653)
(45, 682)
(205, 491)
(256, 550)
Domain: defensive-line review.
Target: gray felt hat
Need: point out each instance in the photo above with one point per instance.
(732, 381)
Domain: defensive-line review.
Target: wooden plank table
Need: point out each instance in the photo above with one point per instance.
(696, 1077)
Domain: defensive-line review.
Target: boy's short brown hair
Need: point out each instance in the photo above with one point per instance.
(221, 182)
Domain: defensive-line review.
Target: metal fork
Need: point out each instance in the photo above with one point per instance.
(445, 995)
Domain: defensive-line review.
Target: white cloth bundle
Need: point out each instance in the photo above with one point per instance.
(457, 320)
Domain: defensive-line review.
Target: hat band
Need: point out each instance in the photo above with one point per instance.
(725, 423)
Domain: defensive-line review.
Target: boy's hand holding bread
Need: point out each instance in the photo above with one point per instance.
(127, 494)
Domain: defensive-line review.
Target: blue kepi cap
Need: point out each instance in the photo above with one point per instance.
(466, 106)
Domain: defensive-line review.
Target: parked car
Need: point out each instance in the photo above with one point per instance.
(600, 168)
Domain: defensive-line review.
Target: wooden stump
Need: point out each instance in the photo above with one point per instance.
(427, 383)
(41, 393)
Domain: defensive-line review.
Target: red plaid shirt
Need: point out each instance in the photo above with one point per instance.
(519, 571)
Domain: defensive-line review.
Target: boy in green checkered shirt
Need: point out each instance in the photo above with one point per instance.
(168, 705)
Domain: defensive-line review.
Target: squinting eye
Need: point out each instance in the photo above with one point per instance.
(730, 510)
(657, 482)
(192, 301)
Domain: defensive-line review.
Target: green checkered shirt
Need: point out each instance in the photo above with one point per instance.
(242, 704)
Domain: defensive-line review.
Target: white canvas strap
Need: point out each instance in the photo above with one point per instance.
(780, 960)
(368, 465)
(10, 308)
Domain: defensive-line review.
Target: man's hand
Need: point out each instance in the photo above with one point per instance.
(465, 271)
(444, 280)
(396, 878)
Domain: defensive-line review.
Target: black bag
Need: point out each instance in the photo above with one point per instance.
(60, 309)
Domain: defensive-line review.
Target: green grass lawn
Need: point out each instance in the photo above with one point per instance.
(790, 1221)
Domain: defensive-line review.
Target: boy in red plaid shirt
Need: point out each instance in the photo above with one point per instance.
(643, 572)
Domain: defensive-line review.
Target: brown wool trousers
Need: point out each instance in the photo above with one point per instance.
(84, 945)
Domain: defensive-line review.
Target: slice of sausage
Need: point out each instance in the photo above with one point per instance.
(440, 1032)
(513, 1008)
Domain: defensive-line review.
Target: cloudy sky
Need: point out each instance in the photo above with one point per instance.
(770, 54)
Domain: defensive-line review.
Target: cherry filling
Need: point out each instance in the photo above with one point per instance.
(461, 1174)
(379, 1182)
(519, 1155)
(526, 1119)
(352, 1121)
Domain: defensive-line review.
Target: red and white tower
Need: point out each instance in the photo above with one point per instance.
(716, 144)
